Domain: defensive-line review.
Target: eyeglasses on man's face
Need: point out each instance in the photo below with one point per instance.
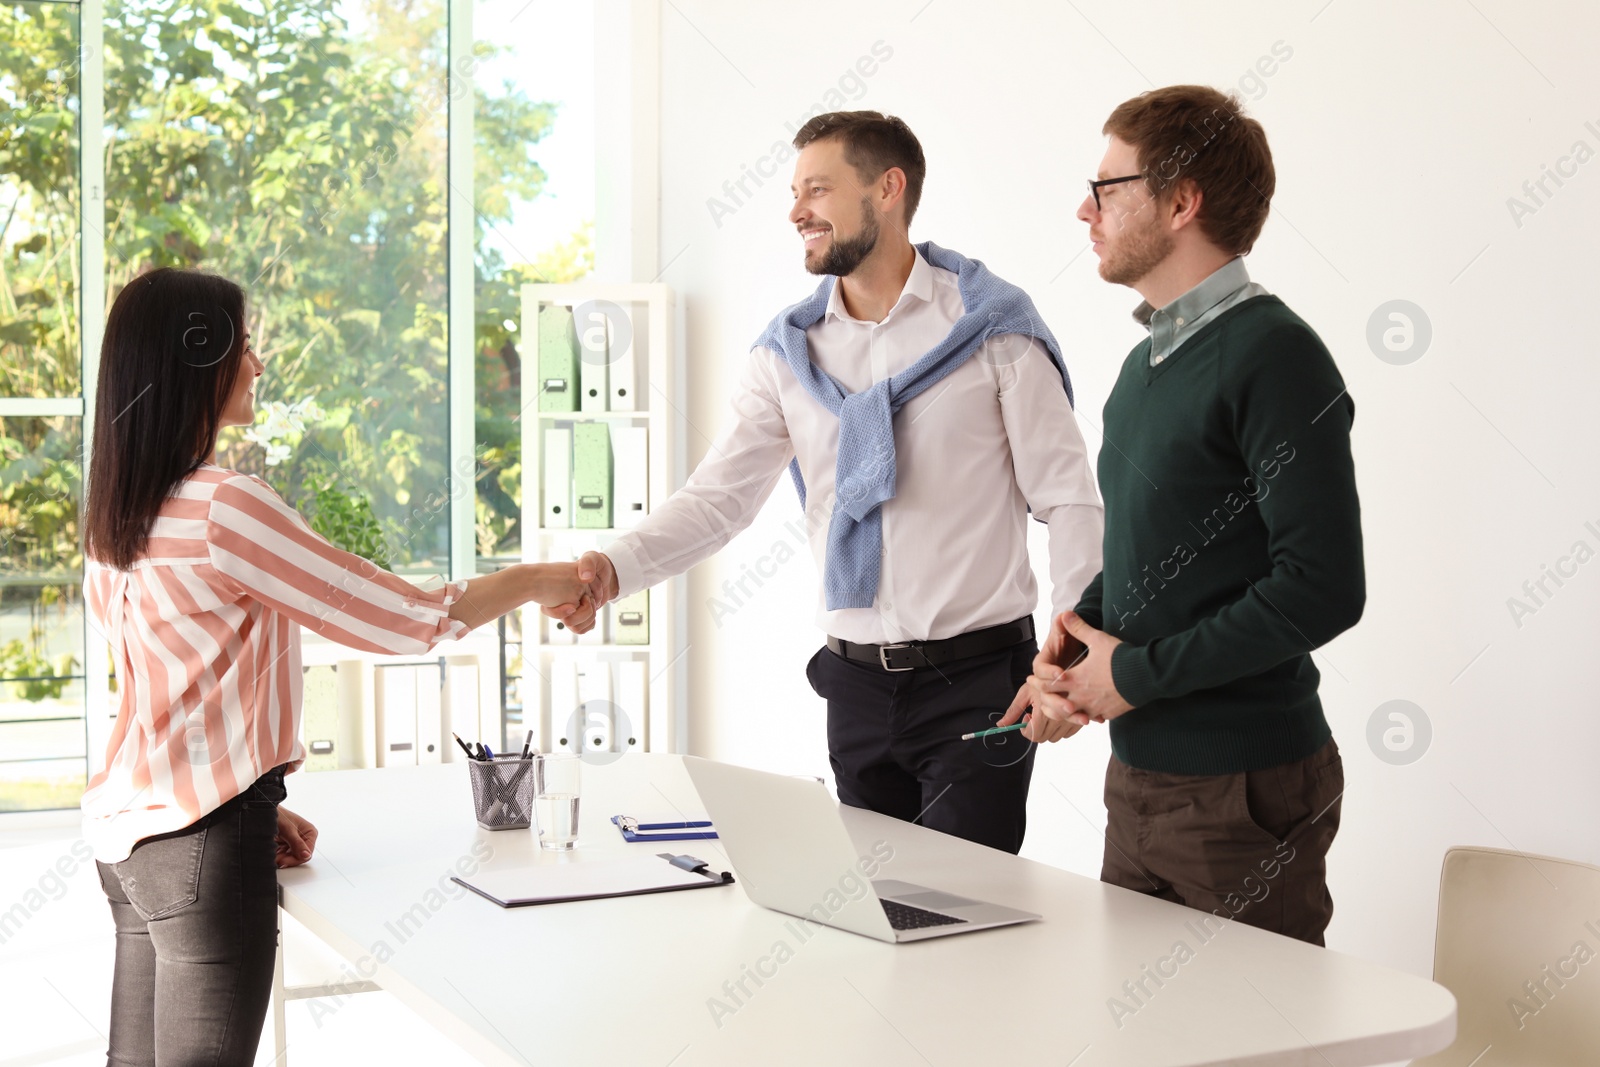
(1095, 185)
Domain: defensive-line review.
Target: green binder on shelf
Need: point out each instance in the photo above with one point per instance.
(591, 475)
(558, 359)
(319, 717)
(630, 619)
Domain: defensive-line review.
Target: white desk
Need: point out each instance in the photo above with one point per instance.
(627, 982)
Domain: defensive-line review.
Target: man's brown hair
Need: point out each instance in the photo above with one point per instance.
(873, 142)
(1197, 133)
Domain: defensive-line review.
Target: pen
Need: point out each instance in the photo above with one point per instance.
(996, 730)
(527, 745)
(1019, 725)
(488, 753)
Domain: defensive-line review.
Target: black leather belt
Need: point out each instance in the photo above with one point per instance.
(909, 655)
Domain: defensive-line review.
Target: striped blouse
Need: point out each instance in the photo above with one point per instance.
(205, 634)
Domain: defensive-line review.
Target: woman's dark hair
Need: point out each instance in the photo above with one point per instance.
(173, 345)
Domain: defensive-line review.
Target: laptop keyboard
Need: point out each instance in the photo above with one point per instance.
(905, 917)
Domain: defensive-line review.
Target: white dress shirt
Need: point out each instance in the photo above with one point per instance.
(973, 453)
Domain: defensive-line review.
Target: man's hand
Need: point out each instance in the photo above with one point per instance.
(1083, 693)
(556, 587)
(1059, 649)
(1041, 728)
(296, 838)
(599, 580)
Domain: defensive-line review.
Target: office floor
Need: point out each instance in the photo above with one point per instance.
(56, 952)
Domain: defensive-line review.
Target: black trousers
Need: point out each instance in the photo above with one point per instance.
(894, 742)
(197, 928)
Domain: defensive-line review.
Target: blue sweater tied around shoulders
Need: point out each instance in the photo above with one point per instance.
(865, 473)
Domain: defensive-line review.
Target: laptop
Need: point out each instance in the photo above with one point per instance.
(792, 853)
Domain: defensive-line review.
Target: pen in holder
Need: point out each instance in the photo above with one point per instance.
(502, 791)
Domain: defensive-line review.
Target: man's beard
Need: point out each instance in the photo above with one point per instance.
(844, 256)
(1141, 250)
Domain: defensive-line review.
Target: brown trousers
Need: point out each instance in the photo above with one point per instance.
(1251, 846)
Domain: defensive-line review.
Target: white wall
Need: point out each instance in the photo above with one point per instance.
(1398, 138)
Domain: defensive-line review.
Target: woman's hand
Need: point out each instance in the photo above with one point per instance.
(297, 838)
(556, 587)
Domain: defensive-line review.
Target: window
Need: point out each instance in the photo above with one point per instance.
(312, 151)
(300, 150)
(41, 424)
(534, 198)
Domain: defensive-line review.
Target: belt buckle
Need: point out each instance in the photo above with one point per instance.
(883, 656)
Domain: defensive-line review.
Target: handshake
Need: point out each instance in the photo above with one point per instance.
(574, 592)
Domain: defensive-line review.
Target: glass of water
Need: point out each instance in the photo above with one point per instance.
(555, 802)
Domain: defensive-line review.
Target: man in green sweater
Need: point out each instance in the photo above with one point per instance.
(1232, 538)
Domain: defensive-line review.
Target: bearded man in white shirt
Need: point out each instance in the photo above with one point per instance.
(924, 410)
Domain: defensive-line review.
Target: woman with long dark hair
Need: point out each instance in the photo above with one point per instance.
(201, 578)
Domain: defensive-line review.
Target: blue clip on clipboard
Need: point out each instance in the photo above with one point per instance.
(634, 830)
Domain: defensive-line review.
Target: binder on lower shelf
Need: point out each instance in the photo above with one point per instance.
(549, 883)
(630, 619)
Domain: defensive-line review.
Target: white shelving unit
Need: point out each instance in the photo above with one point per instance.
(655, 323)
(352, 700)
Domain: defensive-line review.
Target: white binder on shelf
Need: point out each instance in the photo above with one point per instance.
(625, 374)
(630, 478)
(594, 691)
(556, 509)
(594, 364)
(633, 687)
(461, 714)
(555, 631)
(430, 718)
(395, 690)
(563, 697)
(599, 728)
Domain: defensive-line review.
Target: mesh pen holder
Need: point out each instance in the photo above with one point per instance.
(502, 792)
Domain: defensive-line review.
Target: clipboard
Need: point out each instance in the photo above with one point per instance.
(594, 880)
(634, 830)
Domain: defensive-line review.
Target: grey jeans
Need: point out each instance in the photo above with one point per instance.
(197, 928)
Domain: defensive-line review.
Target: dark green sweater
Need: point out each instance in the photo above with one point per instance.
(1232, 543)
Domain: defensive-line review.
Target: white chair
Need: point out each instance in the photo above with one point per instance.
(1518, 944)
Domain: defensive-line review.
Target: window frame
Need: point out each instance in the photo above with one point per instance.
(627, 217)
